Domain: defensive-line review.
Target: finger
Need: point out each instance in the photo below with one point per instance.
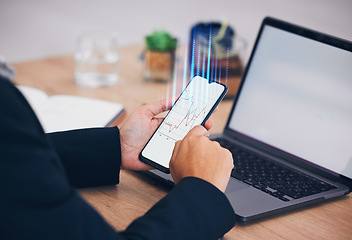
(159, 120)
(208, 124)
(160, 106)
(198, 131)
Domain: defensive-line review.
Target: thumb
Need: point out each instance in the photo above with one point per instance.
(198, 131)
(160, 106)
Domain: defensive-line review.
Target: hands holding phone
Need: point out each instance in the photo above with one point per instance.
(195, 155)
(136, 132)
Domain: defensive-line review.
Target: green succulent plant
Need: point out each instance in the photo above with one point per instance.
(161, 41)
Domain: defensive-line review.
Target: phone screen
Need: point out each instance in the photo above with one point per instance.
(193, 107)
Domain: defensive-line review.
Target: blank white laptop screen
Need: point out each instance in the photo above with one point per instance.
(297, 96)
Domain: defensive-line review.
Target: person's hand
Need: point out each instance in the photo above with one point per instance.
(137, 130)
(197, 156)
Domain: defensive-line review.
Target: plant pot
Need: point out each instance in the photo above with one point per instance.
(158, 66)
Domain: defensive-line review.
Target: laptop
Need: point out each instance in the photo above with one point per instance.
(290, 127)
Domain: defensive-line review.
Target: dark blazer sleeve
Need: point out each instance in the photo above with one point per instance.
(193, 209)
(38, 202)
(91, 157)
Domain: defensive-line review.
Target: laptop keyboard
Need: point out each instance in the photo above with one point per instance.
(272, 178)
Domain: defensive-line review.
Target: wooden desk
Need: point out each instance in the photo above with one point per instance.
(136, 193)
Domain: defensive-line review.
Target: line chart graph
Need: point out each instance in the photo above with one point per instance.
(185, 115)
(190, 110)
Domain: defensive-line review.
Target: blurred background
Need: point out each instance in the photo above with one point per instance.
(43, 28)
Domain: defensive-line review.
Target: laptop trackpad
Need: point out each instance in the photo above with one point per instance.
(235, 186)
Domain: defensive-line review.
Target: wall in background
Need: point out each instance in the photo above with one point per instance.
(43, 28)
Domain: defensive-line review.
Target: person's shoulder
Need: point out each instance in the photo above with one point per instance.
(14, 106)
(4, 81)
(9, 94)
(7, 87)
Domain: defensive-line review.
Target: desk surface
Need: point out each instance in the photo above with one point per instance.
(136, 193)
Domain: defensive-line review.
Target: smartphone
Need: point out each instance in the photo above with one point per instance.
(193, 107)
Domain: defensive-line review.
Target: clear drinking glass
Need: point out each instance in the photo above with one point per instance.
(96, 59)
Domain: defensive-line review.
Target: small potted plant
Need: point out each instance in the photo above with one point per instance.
(159, 57)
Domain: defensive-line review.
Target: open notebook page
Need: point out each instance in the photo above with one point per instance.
(66, 112)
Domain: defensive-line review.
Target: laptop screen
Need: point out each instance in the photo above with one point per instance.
(297, 97)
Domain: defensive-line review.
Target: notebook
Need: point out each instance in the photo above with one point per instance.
(68, 112)
(290, 127)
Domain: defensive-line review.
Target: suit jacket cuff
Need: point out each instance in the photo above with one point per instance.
(91, 157)
(194, 209)
(209, 206)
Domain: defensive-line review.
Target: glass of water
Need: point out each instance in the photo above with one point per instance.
(96, 59)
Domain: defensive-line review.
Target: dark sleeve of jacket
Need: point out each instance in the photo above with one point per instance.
(38, 172)
(91, 157)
